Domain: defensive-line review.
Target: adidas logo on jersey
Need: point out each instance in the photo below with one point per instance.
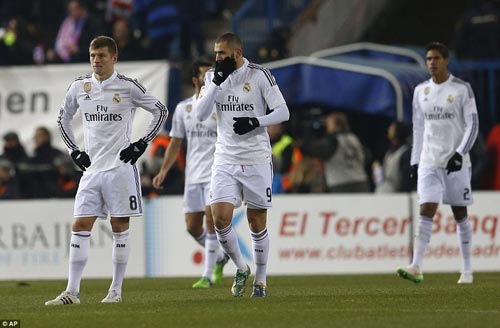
(87, 97)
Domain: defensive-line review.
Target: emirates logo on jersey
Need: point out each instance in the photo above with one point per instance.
(87, 86)
(116, 98)
(246, 87)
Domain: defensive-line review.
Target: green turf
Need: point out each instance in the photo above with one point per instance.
(293, 301)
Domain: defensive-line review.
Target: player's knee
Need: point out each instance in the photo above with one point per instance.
(221, 222)
(459, 212)
(81, 225)
(119, 224)
(428, 209)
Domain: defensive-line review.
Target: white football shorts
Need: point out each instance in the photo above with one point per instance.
(116, 191)
(196, 197)
(454, 188)
(233, 183)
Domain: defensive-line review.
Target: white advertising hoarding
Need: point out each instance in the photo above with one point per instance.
(308, 234)
(34, 242)
(323, 234)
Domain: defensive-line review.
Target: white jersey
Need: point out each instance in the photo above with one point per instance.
(248, 91)
(444, 122)
(107, 110)
(201, 138)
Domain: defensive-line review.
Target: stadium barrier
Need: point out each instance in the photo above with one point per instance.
(310, 234)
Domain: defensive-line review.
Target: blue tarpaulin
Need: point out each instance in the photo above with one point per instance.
(362, 83)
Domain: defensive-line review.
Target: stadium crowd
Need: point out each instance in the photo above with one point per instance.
(34, 33)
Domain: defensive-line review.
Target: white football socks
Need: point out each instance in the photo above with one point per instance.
(78, 255)
(464, 234)
(229, 242)
(422, 240)
(212, 251)
(201, 238)
(120, 255)
(260, 245)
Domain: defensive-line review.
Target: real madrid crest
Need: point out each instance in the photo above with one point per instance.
(189, 108)
(246, 87)
(116, 98)
(87, 86)
(450, 99)
(214, 116)
(427, 90)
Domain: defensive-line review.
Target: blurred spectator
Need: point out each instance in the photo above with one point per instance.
(308, 176)
(276, 45)
(17, 45)
(44, 170)
(9, 188)
(493, 149)
(160, 21)
(395, 169)
(342, 154)
(481, 164)
(174, 181)
(118, 9)
(285, 156)
(67, 177)
(216, 8)
(128, 47)
(14, 152)
(75, 34)
(478, 31)
(191, 14)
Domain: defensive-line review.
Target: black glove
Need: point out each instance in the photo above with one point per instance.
(244, 125)
(134, 151)
(81, 159)
(414, 172)
(454, 164)
(223, 69)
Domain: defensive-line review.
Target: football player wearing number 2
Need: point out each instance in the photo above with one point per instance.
(445, 127)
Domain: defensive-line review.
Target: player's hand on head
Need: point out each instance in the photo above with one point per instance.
(81, 159)
(133, 151)
(454, 164)
(244, 125)
(223, 69)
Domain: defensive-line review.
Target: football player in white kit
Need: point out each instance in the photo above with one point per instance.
(445, 127)
(110, 184)
(201, 137)
(241, 92)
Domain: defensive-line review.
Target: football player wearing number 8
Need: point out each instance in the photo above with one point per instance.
(241, 92)
(110, 185)
(445, 127)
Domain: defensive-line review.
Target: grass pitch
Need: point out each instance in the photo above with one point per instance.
(293, 301)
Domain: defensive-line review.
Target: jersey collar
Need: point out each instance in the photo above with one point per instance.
(105, 82)
(244, 66)
(450, 77)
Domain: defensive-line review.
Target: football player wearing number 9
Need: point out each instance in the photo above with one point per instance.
(445, 127)
(241, 92)
(110, 184)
